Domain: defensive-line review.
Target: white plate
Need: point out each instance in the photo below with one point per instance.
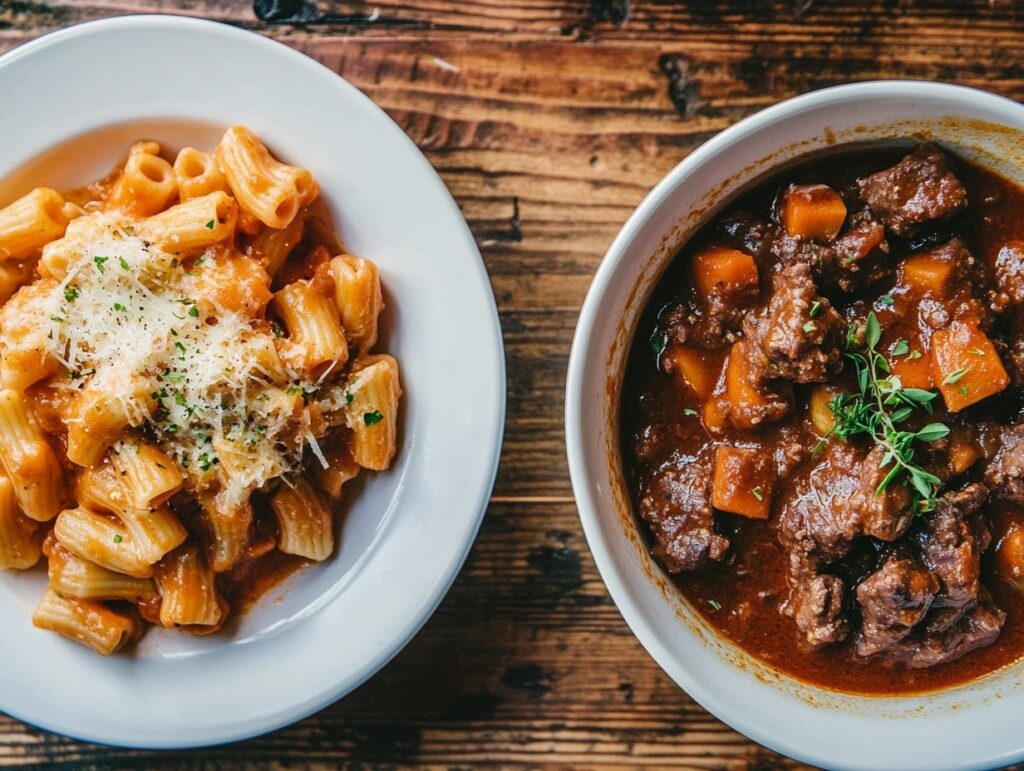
(71, 101)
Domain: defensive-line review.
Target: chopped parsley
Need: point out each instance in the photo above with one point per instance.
(209, 225)
(954, 377)
(887, 300)
(118, 538)
(120, 308)
(71, 293)
(194, 311)
(370, 418)
(349, 397)
(658, 342)
(99, 262)
(124, 263)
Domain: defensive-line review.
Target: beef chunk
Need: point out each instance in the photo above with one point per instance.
(1005, 474)
(892, 602)
(859, 257)
(1010, 271)
(816, 523)
(887, 515)
(746, 232)
(703, 327)
(677, 505)
(951, 540)
(816, 605)
(815, 527)
(955, 253)
(918, 190)
(956, 633)
(752, 399)
(787, 340)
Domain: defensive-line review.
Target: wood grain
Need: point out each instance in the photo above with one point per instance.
(549, 120)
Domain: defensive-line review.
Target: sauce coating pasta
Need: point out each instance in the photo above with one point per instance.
(186, 384)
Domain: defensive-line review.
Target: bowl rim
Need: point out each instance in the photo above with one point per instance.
(490, 430)
(588, 504)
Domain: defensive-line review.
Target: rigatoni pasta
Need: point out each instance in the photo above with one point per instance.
(186, 338)
(91, 623)
(30, 223)
(20, 545)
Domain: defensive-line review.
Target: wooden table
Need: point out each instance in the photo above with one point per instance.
(549, 120)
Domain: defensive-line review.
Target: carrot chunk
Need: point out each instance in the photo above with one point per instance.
(694, 368)
(965, 366)
(820, 411)
(913, 369)
(813, 211)
(927, 275)
(741, 482)
(728, 272)
(715, 415)
(963, 451)
(1010, 556)
(751, 404)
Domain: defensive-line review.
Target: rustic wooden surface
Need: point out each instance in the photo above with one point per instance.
(549, 120)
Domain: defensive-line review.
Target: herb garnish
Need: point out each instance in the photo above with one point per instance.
(689, 411)
(209, 225)
(715, 604)
(881, 403)
(369, 418)
(815, 309)
(954, 377)
(99, 262)
(658, 342)
(756, 492)
(71, 293)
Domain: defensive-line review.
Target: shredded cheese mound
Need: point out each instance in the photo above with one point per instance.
(204, 382)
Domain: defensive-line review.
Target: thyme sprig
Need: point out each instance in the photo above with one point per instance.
(875, 410)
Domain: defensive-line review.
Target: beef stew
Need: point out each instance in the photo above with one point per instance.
(823, 425)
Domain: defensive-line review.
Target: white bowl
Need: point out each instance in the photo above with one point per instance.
(74, 100)
(977, 725)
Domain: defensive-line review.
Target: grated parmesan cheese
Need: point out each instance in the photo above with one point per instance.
(210, 389)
